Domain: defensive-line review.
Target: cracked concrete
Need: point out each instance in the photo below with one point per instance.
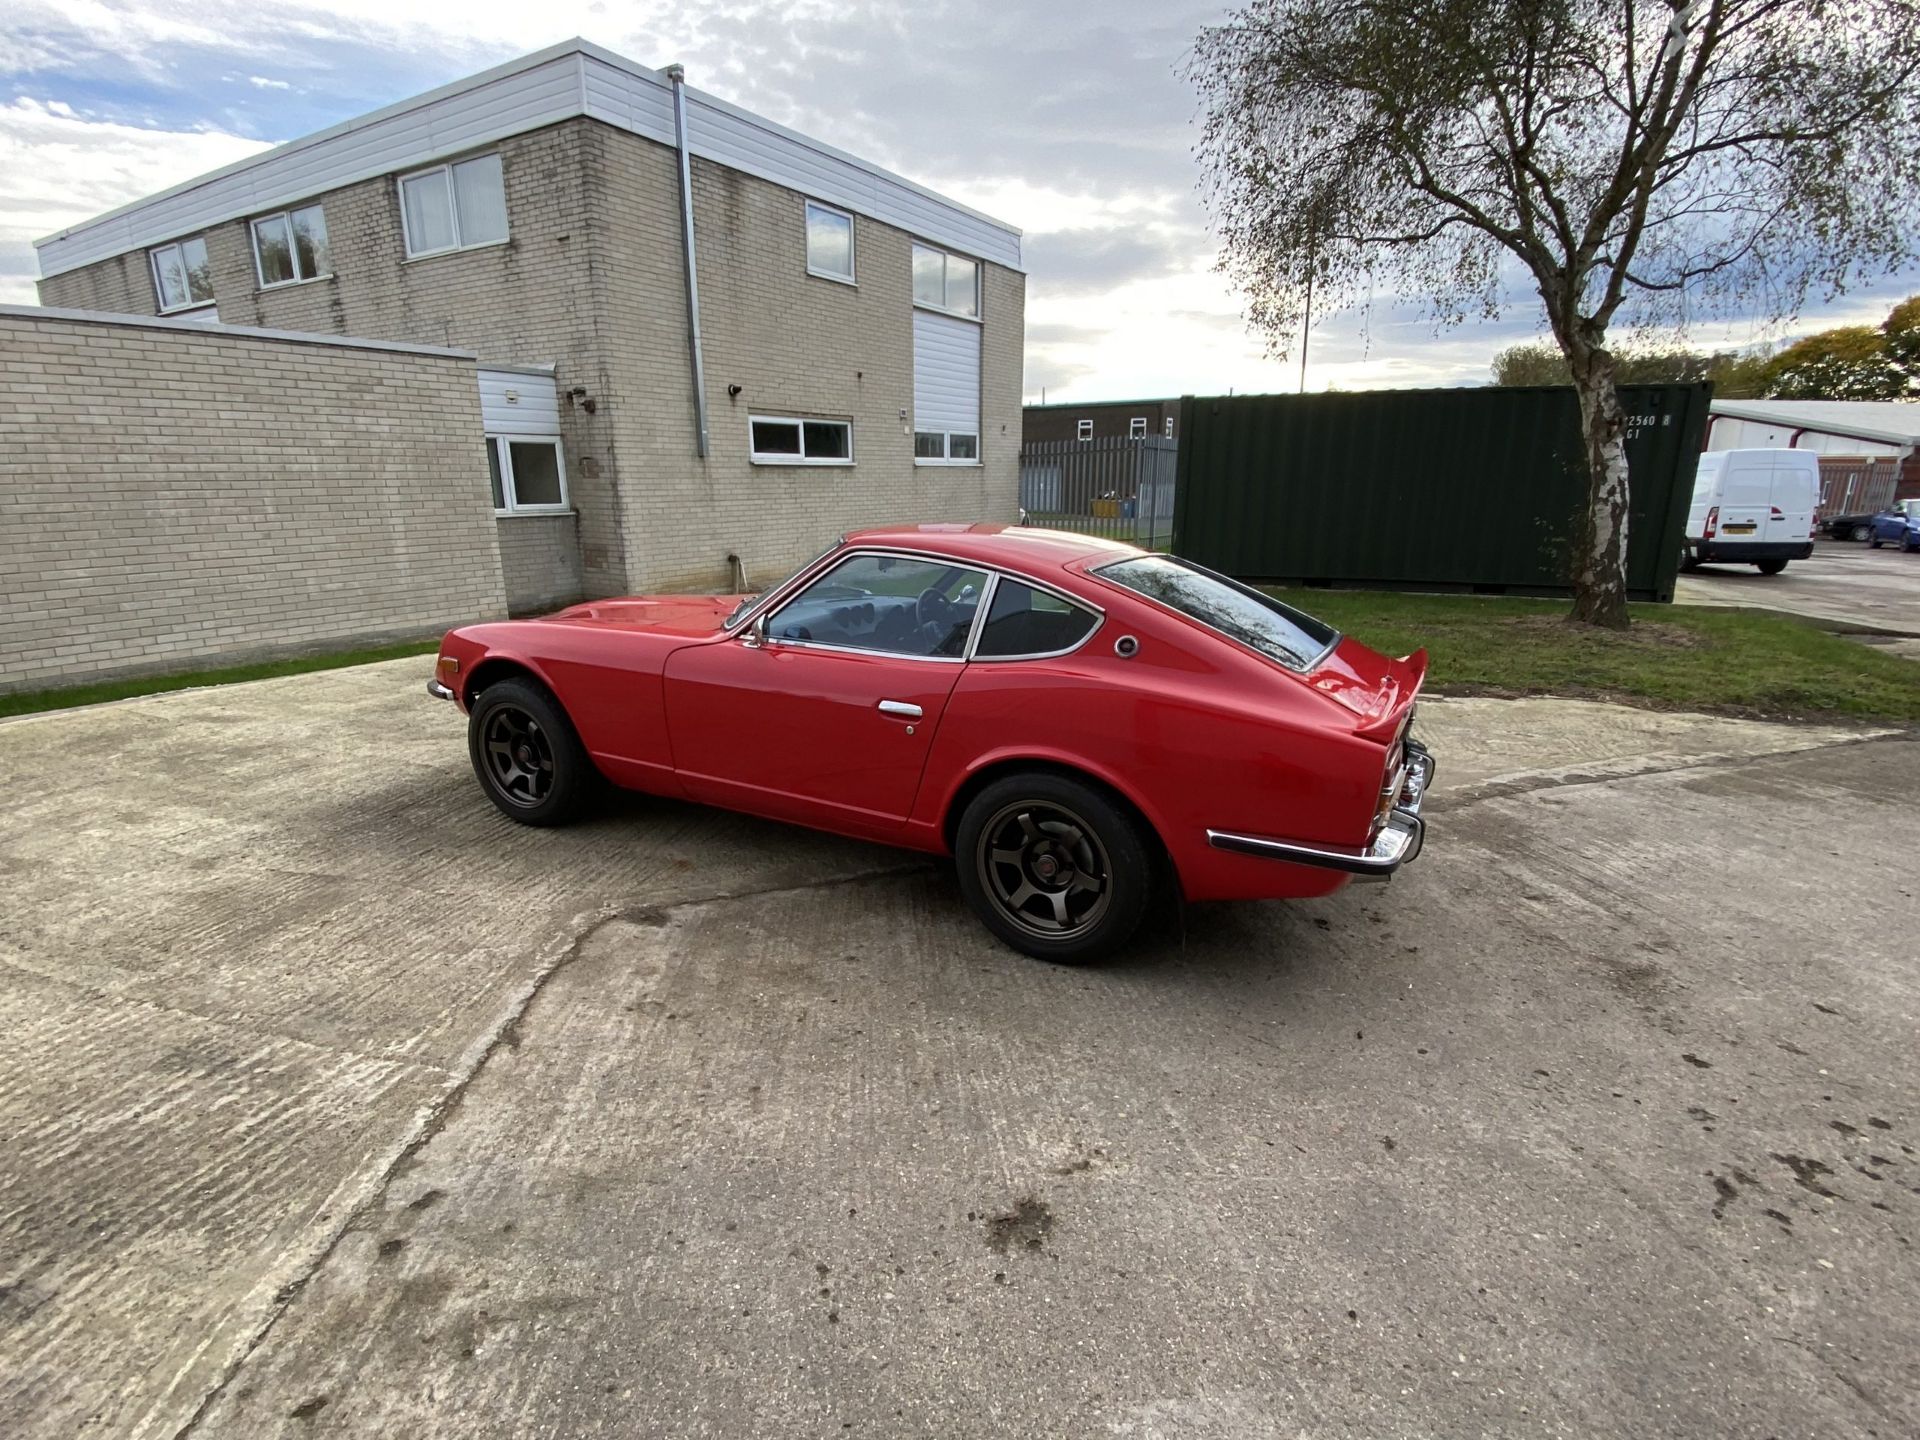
(345, 1107)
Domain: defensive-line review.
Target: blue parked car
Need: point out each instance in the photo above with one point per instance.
(1899, 525)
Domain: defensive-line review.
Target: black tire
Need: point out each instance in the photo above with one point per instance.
(1769, 567)
(527, 755)
(1689, 562)
(1876, 544)
(1084, 863)
(1860, 532)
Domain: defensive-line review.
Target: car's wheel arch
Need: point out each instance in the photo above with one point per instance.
(999, 766)
(495, 668)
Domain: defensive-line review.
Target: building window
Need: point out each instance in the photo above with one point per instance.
(1083, 430)
(291, 247)
(1169, 427)
(789, 440)
(829, 242)
(946, 282)
(1137, 428)
(454, 207)
(945, 447)
(528, 474)
(182, 278)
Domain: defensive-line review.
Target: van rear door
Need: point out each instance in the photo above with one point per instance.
(1706, 485)
(1796, 491)
(1746, 496)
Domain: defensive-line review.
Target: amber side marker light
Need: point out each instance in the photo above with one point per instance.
(447, 667)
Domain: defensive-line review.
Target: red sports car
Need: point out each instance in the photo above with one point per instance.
(1074, 720)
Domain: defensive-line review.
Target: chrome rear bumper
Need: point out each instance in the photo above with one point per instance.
(1398, 842)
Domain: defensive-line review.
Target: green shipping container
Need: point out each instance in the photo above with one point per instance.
(1480, 490)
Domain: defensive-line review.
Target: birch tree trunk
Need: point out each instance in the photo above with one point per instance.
(1599, 576)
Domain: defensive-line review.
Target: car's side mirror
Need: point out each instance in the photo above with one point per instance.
(755, 635)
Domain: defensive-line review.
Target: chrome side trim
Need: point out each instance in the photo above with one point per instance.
(438, 691)
(1398, 842)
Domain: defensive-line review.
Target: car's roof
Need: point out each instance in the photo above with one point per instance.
(1018, 547)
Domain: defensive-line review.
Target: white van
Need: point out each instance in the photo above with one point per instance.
(1753, 507)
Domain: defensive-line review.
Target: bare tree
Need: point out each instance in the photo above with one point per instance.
(1639, 164)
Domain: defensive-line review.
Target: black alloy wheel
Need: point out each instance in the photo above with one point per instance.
(1055, 867)
(526, 753)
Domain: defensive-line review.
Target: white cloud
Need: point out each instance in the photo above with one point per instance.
(58, 166)
(263, 83)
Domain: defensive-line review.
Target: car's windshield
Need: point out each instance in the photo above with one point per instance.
(747, 602)
(1276, 630)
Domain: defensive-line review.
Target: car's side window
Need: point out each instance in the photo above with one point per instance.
(1026, 621)
(894, 604)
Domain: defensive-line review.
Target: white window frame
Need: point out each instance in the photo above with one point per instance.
(503, 447)
(979, 314)
(776, 458)
(1137, 428)
(1083, 430)
(293, 248)
(853, 242)
(159, 291)
(946, 457)
(445, 172)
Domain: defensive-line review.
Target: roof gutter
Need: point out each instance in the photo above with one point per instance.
(678, 76)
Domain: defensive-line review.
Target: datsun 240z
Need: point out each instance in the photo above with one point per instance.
(1075, 721)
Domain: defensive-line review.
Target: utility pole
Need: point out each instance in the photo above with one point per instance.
(1306, 329)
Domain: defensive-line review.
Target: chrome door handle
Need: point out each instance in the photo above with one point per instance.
(900, 708)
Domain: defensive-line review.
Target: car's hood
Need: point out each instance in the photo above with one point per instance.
(657, 614)
(1376, 688)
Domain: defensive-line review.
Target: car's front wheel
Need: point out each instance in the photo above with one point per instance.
(1055, 867)
(1861, 532)
(529, 759)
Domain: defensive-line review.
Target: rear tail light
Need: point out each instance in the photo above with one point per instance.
(1713, 523)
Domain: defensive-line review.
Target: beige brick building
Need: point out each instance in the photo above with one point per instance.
(533, 215)
(173, 496)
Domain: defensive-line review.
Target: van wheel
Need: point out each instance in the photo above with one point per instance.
(1770, 567)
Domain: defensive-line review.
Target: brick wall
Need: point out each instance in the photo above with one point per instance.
(173, 497)
(592, 280)
(540, 562)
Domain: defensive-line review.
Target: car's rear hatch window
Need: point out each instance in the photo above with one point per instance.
(1260, 622)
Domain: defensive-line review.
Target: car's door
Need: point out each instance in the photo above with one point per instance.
(825, 714)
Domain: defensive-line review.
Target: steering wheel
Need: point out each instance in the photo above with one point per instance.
(933, 608)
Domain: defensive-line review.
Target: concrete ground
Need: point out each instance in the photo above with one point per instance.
(336, 1104)
(1843, 584)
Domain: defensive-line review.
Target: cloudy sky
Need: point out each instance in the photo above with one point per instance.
(1070, 121)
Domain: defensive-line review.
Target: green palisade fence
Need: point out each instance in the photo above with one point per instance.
(1479, 490)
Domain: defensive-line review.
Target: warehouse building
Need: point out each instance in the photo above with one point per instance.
(705, 344)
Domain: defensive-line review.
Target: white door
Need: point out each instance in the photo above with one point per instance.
(1796, 490)
(1706, 484)
(1746, 496)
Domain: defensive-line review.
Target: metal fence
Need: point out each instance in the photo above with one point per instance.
(1117, 487)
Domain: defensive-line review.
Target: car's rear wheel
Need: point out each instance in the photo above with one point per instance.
(529, 759)
(1055, 867)
(1770, 567)
(1861, 532)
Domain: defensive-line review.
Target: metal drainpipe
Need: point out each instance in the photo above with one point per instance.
(679, 78)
